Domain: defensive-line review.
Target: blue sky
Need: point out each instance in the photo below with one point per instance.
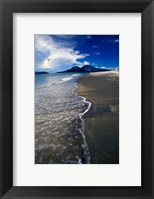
(60, 52)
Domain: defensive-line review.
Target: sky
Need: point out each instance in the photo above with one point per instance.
(56, 53)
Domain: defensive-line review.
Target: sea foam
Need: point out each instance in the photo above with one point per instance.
(59, 126)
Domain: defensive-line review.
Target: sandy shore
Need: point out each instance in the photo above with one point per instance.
(102, 120)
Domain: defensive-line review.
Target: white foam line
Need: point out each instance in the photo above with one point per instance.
(65, 80)
(86, 149)
(74, 75)
(89, 106)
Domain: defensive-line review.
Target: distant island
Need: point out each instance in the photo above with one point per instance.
(77, 69)
(41, 73)
(84, 69)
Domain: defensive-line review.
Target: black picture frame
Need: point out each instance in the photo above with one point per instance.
(7, 8)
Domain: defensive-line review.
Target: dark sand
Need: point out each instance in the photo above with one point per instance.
(102, 120)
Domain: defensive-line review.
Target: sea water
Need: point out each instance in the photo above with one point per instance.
(59, 127)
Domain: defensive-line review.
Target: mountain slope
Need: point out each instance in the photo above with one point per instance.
(84, 69)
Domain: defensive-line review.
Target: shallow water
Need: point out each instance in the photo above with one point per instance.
(59, 128)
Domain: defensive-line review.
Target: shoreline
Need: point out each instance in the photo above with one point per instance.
(86, 148)
(101, 119)
(82, 131)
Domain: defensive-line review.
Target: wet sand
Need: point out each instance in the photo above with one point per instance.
(102, 120)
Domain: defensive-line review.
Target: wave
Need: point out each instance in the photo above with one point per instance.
(65, 79)
(89, 106)
(68, 78)
(59, 126)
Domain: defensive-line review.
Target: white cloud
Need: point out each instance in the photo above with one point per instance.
(89, 37)
(95, 46)
(94, 64)
(86, 63)
(97, 53)
(111, 40)
(66, 36)
(103, 67)
(56, 55)
(116, 40)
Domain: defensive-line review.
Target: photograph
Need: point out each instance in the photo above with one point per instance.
(76, 99)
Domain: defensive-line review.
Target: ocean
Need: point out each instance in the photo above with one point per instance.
(59, 127)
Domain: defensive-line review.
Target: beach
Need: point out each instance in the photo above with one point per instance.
(102, 119)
